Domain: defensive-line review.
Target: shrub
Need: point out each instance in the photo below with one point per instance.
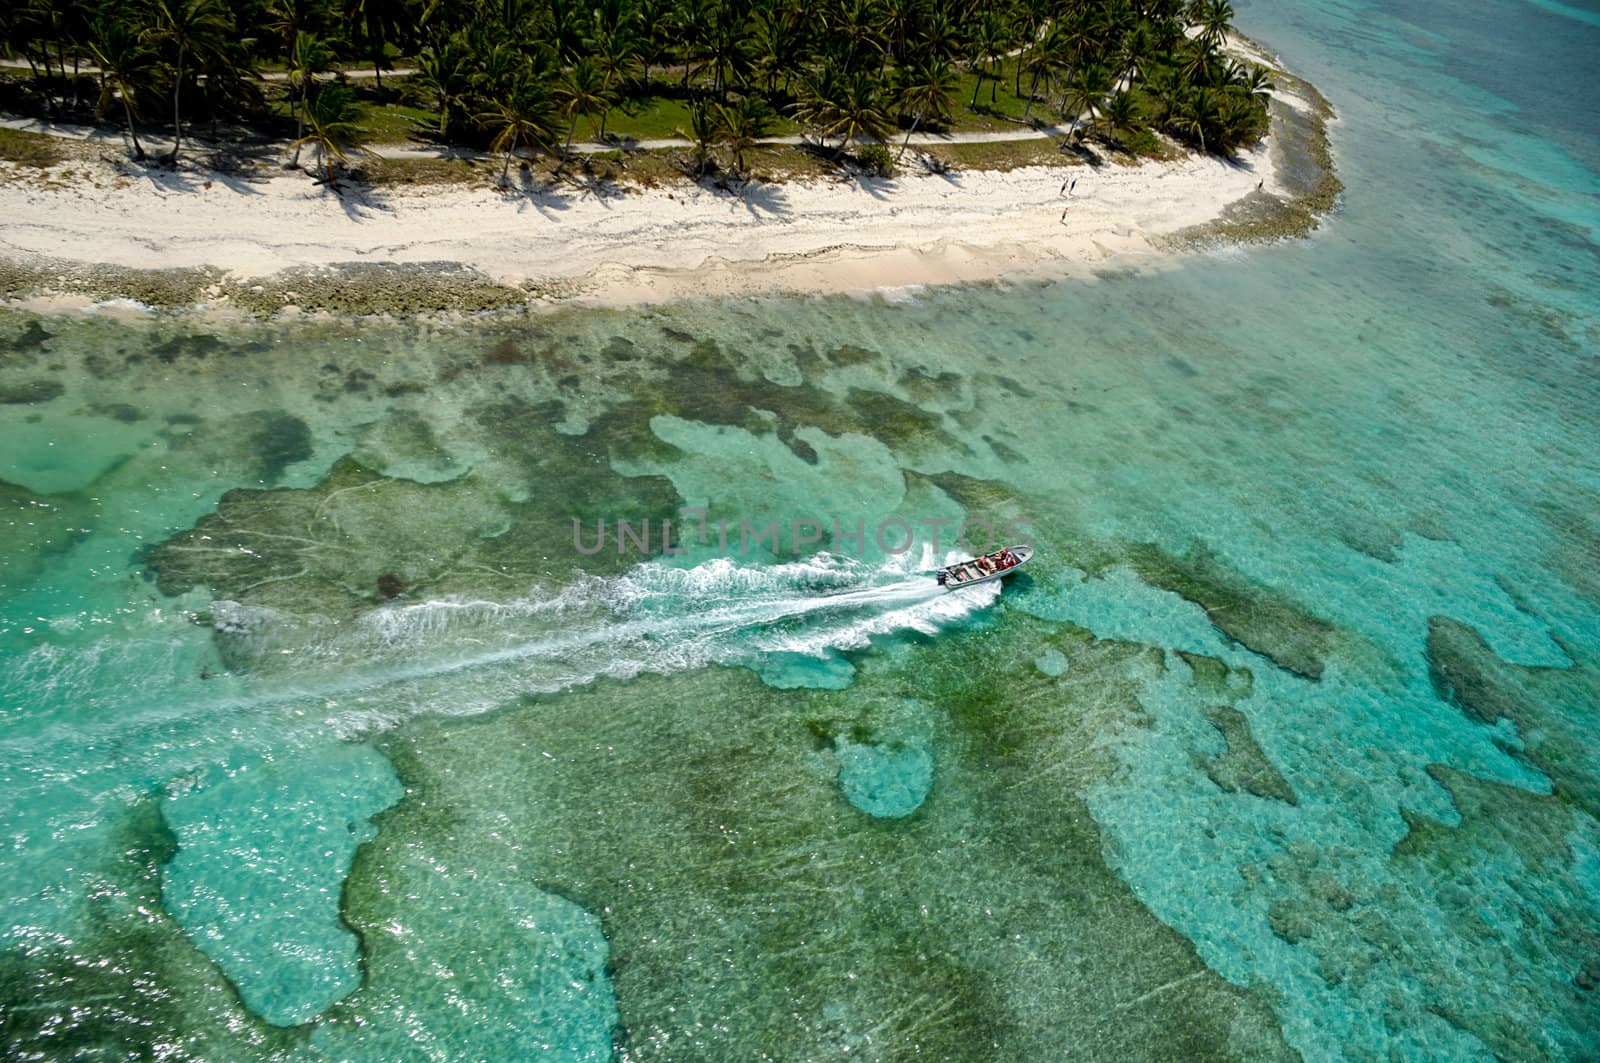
(1143, 142)
(876, 158)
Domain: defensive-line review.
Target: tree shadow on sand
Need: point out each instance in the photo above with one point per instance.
(237, 171)
(1235, 160)
(931, 166)
(879, 188)
(544, 193)
(359, 196)
(359, 201)
(761, 198)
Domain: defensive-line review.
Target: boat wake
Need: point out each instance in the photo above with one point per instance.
(456, 656)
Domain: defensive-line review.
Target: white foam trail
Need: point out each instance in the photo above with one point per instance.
(463, 656)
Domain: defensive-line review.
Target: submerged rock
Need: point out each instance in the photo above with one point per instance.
(30, 392)
(277, 440)
(751, 912)
(1553, 710)
(131, 983)
(1261, 620)
(1243, 766)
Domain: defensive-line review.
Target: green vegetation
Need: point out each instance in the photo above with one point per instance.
(527, 76)
(996, 155)
(29, 149)
(329, 117)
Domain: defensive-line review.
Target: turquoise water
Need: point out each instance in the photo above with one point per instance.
(322, 740)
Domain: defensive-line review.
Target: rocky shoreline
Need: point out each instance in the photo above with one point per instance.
(1303, 159)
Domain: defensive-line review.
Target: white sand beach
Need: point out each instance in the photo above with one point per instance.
(612, 244)
(628, 245)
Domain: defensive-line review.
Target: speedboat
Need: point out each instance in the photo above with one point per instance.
(1001, 563)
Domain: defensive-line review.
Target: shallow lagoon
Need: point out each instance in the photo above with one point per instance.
(320, 737)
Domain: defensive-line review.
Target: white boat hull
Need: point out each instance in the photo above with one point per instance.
(996, 565)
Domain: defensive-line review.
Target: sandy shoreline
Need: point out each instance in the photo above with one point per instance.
(262, 242)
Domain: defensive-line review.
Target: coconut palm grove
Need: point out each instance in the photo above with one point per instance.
(534, 76)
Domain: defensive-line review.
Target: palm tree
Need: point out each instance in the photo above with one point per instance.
(1216, 21)
(311, 56)
(195, 30)
(1164, 87)
(562, 28)
(41, 23)
(1078, 43)
(226, 76)
(331, 115)
(855, 23)
(607, 18)
(16, 36)
(1236, 118)
(1121, 114)
(1028, 27)
(75, 19)
(814, 101)
(987, 45)
(740, 126)
(124, 64)
(996, 37)
(691, 30)
(775, 47)
(1084, 97)
(1258, 84)
(848, 106)
(1202, 64)
(895, 20)
(1042, 61)
(445, 69)
(616, 53)
(1131, 55)
(497, 67)
(289, 18)
(938, 37)
(654, 18)
(927, 89)
(845, 59)
(860, 112)
(1167, 33)
(729, 46)
(377, 20)
(1195, 114)
(523, 117)
(701, 135)
(583, 91)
